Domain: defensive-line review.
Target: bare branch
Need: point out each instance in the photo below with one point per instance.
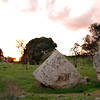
(21, 46)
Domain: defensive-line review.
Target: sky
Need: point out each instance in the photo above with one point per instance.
(65, 21)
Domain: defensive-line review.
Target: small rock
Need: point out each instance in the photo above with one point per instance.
(22, 96)
(88, 94)
(59, 96)
(97, 99)
(85, 80)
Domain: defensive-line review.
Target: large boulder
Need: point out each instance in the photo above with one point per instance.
(96, 62)
(57, 72)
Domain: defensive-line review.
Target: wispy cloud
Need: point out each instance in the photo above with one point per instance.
(80, 22)
(31, 6)
(22, 5)
(5, 1)
(75, 23)
(88, 10)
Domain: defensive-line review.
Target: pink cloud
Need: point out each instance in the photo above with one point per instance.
(50, 4)
(54, 14)
(61, 15)
(79, 22)
(5, 1)
(31, 6)
(22, 5)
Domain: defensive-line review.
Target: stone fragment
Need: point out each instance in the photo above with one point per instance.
(85, 80)
(96, 62)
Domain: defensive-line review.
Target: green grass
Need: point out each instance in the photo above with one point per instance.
(3, 85)
(49, 98)
(26, 81)
(85, 67)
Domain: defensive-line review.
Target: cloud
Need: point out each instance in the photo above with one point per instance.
(22, 5)
(81, 21)
(55, 13)
(32, 6)
(85, 13)
(61, 15)
(4, 1)
(96, 11)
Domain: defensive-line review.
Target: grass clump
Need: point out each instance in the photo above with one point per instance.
(37, 97)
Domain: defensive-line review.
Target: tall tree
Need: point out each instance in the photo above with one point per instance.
(36, 49)
(75, 52)
(90, 45)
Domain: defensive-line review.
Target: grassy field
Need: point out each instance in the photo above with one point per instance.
(16, 81)
(51, 98)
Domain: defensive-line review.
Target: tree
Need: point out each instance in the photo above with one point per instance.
(21, 46)
(2, 58)
(75, 51)
(36, 49)
(90, 45)
(1, 52)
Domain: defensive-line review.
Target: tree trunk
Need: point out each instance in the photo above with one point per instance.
(27, 62)
(75, 61)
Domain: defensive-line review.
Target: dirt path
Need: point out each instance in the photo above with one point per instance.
(71, 94)
(13, 89)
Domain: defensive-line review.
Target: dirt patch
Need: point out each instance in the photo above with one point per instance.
(71, 94)
(13, 89)
(96, 93)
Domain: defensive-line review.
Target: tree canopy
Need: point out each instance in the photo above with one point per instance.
(36, 48)
(90, 45)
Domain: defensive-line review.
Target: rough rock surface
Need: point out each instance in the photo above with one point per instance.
(57, 72)
(96, 62)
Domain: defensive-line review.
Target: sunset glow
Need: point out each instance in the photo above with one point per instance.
(65, 21)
